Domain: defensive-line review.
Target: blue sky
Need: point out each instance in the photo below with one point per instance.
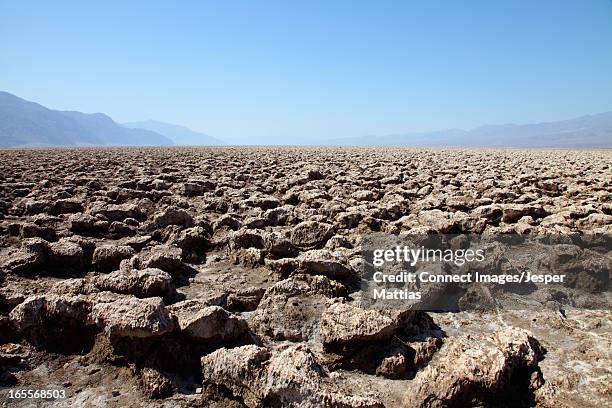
(287, 71)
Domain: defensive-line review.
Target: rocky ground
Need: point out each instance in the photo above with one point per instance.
(228, 277)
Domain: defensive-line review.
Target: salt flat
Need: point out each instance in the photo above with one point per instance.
(226, 276)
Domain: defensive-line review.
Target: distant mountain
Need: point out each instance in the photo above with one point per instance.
(178, 134)
(24, 123)
(585, 131)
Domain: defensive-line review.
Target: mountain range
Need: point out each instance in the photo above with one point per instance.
(28, 124)
(179, 134)
(24, 123)
(590, 131)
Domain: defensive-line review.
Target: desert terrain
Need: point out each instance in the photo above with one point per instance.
(226, 277)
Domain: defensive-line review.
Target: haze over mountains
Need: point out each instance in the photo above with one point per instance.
(24, 123)
(179, 134)
(28, 124)
(585, 131)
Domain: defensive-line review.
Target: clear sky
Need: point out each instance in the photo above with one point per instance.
(284, 71)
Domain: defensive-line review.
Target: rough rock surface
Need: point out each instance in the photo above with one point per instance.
(133, 317)
(343, 323)
(480, 370)
(107, 258)
(291, 309)
(149, 282)
(229, 277)
(208, 323)
(287, 376)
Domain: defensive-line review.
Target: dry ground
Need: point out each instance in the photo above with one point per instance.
(227, 277)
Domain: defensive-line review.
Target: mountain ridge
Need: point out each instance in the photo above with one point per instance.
(587, 131)
(29, 124)
(181, 135)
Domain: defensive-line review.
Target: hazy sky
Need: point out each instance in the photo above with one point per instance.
(284, 71)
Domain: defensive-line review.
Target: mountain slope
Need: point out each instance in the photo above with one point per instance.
(178, 134)
(28, 123)
(24, 123)
(111, 133)
(585, 131)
